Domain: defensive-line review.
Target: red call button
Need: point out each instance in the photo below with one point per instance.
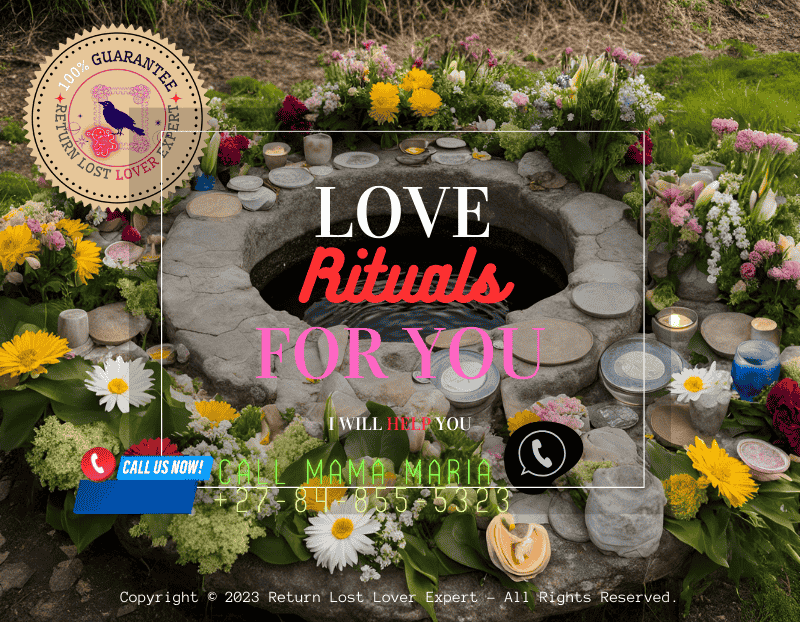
(98, 464)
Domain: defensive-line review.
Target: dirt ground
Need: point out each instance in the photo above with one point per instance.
(278, 52)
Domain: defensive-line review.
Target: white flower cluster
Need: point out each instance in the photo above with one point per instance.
(501, 87)
(723, 230)
(418, 506)
(218, 118)
(324, 98)
(368, 573)
(388, 540)
(730, 182)
(635, 96)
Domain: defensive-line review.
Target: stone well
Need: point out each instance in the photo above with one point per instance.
(211, 305)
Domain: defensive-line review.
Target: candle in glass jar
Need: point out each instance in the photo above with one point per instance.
(675, 320)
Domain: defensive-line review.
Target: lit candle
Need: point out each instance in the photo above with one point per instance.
(275, 151)
(675, 320)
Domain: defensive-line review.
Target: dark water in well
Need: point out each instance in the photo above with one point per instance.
(535, 273)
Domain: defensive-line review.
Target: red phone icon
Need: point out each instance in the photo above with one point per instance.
(98, 464)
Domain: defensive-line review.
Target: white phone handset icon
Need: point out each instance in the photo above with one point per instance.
(101, 470)
(545, 462)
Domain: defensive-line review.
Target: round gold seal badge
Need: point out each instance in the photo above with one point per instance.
(114, 116)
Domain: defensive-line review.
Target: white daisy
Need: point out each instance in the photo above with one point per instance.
(121, 384)
(690, 383)
(337, 536)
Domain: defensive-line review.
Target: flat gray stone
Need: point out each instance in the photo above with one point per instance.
(65, 574)
(182, 353)
(126, 609)
(787, 355)
(334, 382)
(392, 391)
(530, 508)
(612, 415)
(609, 444)
(532, 163)
(15, 575)
(340, 336)
(567, 519)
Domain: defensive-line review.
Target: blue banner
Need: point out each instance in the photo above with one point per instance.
(135, 497)
(197, 468)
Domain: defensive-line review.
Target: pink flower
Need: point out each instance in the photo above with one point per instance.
(42, 182)
(744, 141)
(54, 241)
(568, 51)
(336, 56)
(765, 247)
(368, 44)
(724, 126)
(747, 270)
(678, 214)
(520, 99)
(491, 61)
(620, 55)
(789, 271)
(759, 139)
(634, 58)
(673, 194)
(693, 225)
(57, 215)
(418, 63)
(559, 103)
(755, 258)
(34, 225)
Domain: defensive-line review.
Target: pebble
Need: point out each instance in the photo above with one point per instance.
(182, 353)
(5, 488)
(70, 550)
(46, 609)
(126, 609)
(612, 415)
(567, 519)
(65, 574)
(15, 575)
(2, 540)
(3, 557)
(530, 508)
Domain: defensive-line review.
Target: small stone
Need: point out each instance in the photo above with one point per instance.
(567, 519)
(422, 403)
(15, 575)
(609, 444)
(787, 355)
(181, 353)
(612, 415)
(83, 588)
(126, 609)
(346, 406)
(70, 550)
(5, 488)
(184, 383)
(128, 351)
(530, 508)
(3, 557)
(46, 609)
(313, 428)
(334, 382)
(65, 574)
(2, 540)
(476, 432)
(415, 439)
(274, 420)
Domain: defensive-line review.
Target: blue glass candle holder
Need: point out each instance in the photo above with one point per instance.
(757, 364)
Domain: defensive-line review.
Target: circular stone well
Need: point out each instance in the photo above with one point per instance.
(211, 305)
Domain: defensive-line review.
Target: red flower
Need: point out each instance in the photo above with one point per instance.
(635, 153)
(130, 234)
(115, 214)
(291, 110)
(153, 447)
(783, 405)
(229, 154)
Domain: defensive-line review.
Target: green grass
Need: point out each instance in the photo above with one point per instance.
(758, 91)
(16, 189)
(13, 132)
(774, 600)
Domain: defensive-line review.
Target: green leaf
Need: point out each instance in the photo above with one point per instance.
(71, 391)
(419, 584)
(715, 539)
(23, 327)
(458, 538)
(665, 463)
(274, 550)
(21, 411)
(83, 529)
(770, 508)
(447, 566)
(54, 516)
(381, 442)
(700, 568)
(688, 531)
(80, 416)
(158, 524)
(422, 558)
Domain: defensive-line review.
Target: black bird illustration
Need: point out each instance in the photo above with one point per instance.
(118, 119)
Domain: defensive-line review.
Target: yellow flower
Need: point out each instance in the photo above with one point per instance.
(728, 475)
(87, 258)
(72, 228)
(11, 214)
(520, 419)
(216, 411)
(425, 102)
(320, 494)
(30, 352)
(417, 79)
(385, 102)
(16, 243)
(684, 495)
(47, 228)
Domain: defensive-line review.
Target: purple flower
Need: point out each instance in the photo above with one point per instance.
(724, 126)
(748, 270)
(619, 55)
(759, 140)
(559, 103)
